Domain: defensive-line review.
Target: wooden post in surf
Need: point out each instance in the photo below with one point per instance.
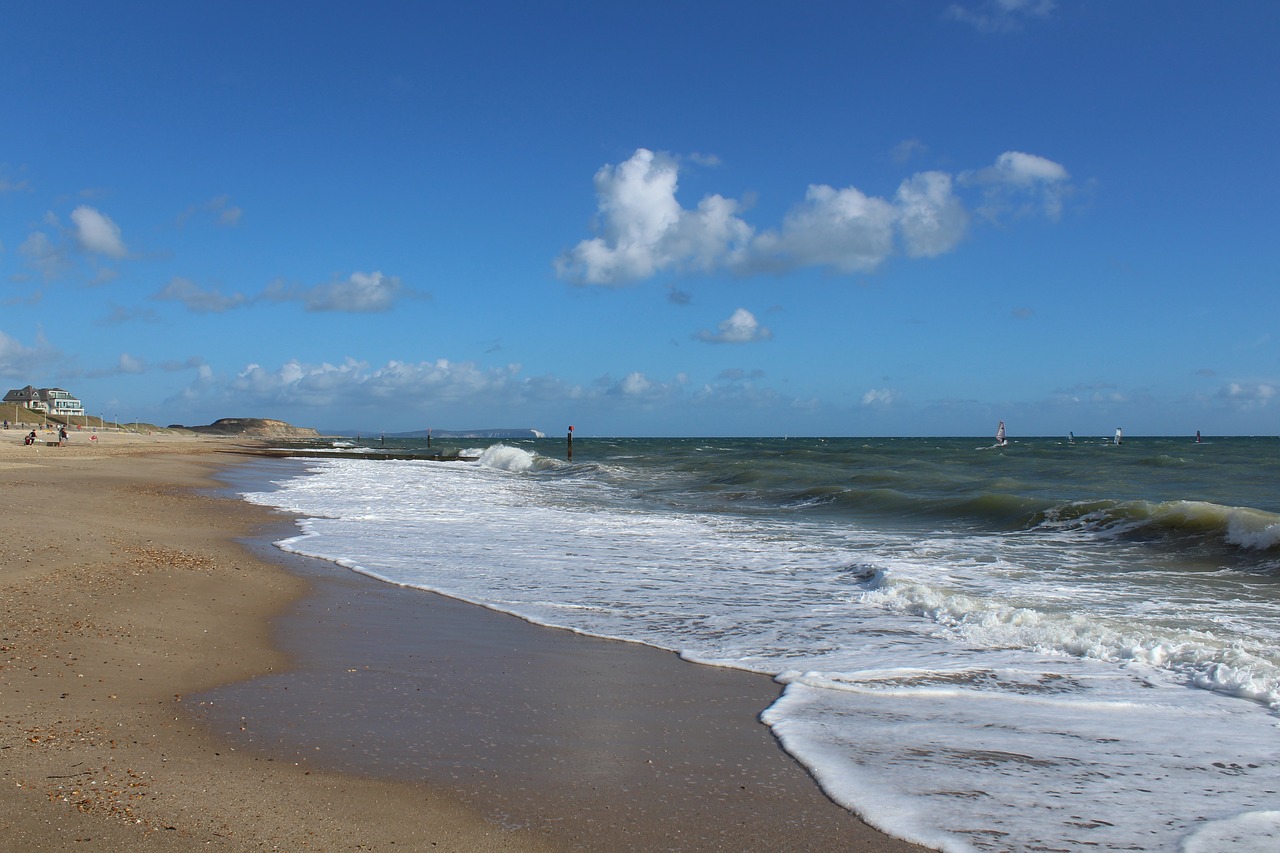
(428, 438)
(570, 444)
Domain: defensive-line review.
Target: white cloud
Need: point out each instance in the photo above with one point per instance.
(1022, 184)
(95, 232)
(198, 299)
(638, 387)
(1015, 167)
(131, 364)
(352, 383)
(402, 395)
(1249, 395)
(879, 397)
(359, 293)
(931, 219)
(741, 328)
(845, 230)
(645, 231)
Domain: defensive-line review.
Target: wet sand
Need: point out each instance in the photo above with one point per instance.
(164, 687)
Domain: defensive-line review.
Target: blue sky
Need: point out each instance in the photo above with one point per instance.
(701, 218)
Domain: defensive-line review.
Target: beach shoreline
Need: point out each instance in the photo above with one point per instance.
(128, 596)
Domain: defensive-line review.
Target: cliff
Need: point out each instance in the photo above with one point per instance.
(255, 428)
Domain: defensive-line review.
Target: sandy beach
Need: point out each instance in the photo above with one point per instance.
(165, 686)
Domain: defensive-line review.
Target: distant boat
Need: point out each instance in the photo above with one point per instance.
(1000, 439)
(1071, 438)
(1119, 435)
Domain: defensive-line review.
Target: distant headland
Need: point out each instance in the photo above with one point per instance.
(449, 433)
(252, 427)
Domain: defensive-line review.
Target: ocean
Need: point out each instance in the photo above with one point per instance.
(1049, 645)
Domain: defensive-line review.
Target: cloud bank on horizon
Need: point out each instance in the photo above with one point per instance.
(646, 231)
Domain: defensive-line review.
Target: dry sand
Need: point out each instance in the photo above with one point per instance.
(125, 598)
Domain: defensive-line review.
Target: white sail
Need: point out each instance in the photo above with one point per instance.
(1000, 439)
(1119, 435)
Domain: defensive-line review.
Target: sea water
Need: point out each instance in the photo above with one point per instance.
(1046, 646)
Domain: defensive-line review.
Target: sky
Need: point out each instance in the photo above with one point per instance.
(723, 217)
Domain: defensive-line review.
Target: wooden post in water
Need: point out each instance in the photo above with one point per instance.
(570, 444)
(428, 438)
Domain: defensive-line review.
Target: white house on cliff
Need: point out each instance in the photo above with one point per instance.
(53, 401)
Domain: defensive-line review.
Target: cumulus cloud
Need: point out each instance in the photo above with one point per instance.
(95, 232)
(644, 230)
(360, 293)
(931, 220)
(879, 397)
(741, 328)
(1022, 184)
(1249, 395)
(91, 233)
(198, 299)
(640, 388)
(844, 230)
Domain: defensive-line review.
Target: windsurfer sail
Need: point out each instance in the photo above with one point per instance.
(1119, 435)
(1000, 439)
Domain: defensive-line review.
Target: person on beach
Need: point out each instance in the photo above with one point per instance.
(62, 436)
(31, 438)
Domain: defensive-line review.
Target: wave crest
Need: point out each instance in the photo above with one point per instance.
(1239, 527)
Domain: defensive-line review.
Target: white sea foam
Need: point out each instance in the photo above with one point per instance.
(1248, 831)
(951, 689)
(505, 458)
(1250, 528)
